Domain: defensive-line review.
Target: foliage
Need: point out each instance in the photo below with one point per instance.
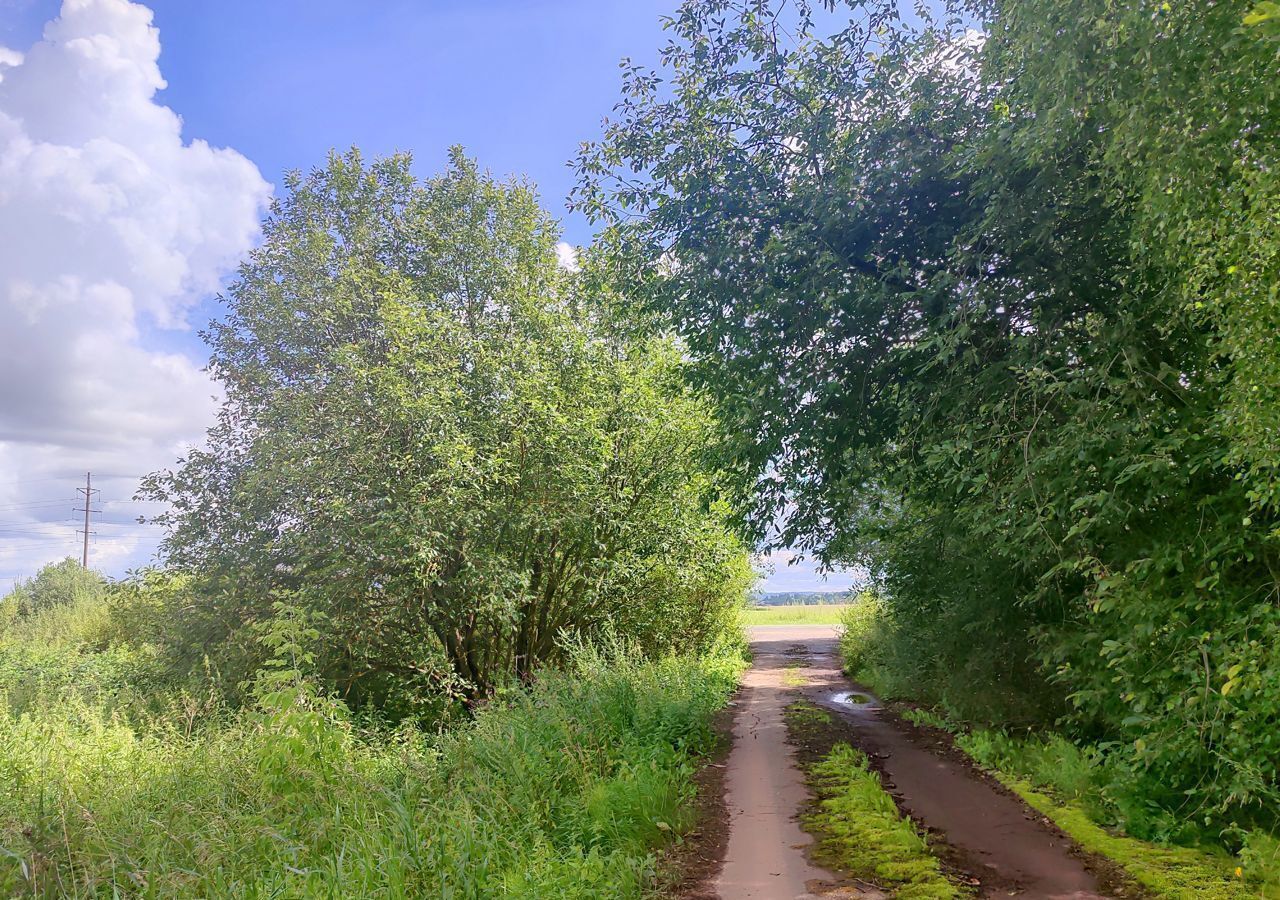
(566, 788)
(1183, 873)
(435, 438)
(798, 598)
(899, 654)
(1091, 796)
(71, 644)
(859, 828)
(56, 584)
(995, 318)
(1081, 788)
(919, 715)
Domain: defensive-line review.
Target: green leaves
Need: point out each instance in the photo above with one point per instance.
(1265, 12)
(1003, 331)
(444, 446)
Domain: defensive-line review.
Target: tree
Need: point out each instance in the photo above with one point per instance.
(433, 438)
(57, 584)
(994, 316)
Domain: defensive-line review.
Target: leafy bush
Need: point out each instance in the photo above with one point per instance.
(73, 644)
(440, 440)
(59, 584)
(929, 656)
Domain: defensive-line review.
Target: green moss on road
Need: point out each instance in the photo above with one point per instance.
(1176, 873)
(857, 826)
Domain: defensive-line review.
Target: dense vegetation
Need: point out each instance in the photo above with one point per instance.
(993, 314)
(448, 596)
(441, 444)
(114, 787)
(986, 304)
(798, 598)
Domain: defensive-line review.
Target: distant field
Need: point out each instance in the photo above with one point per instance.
(825, 614)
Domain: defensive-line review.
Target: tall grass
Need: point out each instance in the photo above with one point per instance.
(565, 789)
(1082, 790)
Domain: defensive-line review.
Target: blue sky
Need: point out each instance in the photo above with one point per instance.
(519, 83)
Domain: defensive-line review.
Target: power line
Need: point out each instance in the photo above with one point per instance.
(58, 501)
(42, 545)
(13, 533)
(43, 478)
(34, 503)
(23, 523)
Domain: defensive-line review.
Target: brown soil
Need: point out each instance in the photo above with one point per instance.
(750, 844)
(815, 741)
(1113, 880)
(766, 855)
(694, 862)
(980, 830)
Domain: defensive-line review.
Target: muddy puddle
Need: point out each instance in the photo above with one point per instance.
(854, 699)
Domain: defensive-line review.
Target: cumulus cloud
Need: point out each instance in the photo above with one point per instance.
(112, 229)
(789, 570)
(567, 256)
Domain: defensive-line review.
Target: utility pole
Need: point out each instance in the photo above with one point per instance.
(88, 492)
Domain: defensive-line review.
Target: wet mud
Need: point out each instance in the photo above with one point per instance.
(985, 835)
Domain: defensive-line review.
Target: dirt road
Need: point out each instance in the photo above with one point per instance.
(988, 833)
(765, 790)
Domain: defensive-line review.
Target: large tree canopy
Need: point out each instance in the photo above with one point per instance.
(995, 314)
(433, 437)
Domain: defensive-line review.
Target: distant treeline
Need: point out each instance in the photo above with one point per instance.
(798, 598)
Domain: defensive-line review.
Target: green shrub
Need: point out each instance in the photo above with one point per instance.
(517, 462)
(1092, 795)
(56, 585)
(564, 789)
(81, 643)
(954, 660)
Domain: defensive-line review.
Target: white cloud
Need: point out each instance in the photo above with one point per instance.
(788, 570)
(567, 256)
(8, 58)
(111, 230)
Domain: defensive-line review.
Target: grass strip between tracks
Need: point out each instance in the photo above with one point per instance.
(856, 824)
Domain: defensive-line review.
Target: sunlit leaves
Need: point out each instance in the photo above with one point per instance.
(442, 441)
(1003, 329)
